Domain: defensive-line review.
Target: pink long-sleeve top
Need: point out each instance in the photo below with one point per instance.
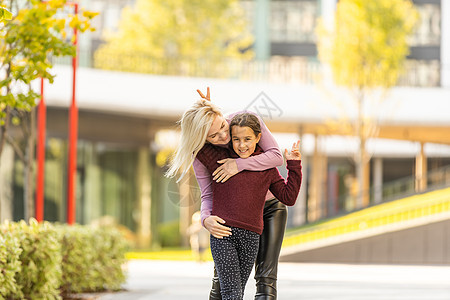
(271, 158)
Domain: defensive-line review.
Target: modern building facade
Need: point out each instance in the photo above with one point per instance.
(284, 32)
(122, 117)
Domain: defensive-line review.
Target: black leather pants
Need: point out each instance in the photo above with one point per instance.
(266, 266)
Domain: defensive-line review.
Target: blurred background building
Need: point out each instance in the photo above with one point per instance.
(127, 124)
(285, 39)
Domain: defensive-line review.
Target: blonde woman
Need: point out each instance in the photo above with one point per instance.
(205, 123)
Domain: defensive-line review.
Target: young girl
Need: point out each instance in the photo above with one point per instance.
(240, 202)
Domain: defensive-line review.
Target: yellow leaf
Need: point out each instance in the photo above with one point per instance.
(90, 14)
(74, 22)
(5, 14)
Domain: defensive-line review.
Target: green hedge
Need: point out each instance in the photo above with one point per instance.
(47, 261)
(40, 274)
(92, 259)
(9, 263)
(169, 234)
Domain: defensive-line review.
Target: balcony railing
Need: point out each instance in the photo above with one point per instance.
(299, 70)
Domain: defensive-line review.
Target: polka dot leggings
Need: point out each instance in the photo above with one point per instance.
(234, 257)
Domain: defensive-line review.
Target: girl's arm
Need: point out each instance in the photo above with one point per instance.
(287, 192)
(212, 223)
(271, 157)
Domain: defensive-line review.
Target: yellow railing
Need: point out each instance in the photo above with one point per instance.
(409, 208)
(175, 254)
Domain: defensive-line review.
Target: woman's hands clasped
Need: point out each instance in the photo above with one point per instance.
(295, 152)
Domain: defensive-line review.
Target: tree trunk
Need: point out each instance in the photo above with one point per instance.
(3, 132)
(6, 191)
(362, 199)
(5, 126)
(28, 188)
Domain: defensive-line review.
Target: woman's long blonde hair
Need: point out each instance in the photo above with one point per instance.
(195, 125)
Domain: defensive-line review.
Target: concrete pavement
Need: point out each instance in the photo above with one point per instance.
(169, 280)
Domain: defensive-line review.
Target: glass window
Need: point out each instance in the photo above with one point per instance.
(110, 12)
(428, 31)
(249, 9)
(293, 21)
(421, 73)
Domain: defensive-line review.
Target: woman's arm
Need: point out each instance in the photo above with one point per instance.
(271, 157)
(205, 183)
(211, 223)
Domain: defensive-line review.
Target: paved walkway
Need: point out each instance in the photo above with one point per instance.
(169, 280)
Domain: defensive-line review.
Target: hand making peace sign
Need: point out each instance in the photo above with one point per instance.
(295, 152)
(207, 94)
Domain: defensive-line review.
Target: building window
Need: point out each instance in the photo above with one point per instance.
(109, 17)
(293, 21)
(428, 31)
(249, 8)
(421, 73)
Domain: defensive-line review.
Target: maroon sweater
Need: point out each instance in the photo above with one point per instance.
(240, 200)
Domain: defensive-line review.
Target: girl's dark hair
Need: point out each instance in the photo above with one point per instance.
(248, 120)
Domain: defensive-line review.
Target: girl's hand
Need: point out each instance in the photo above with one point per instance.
(295, 152)
(207, 94)
(225, 171)
(215, 227)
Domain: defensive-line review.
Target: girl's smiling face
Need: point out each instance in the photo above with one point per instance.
(244, 140)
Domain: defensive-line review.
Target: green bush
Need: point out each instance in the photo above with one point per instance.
(40, 275)
(111, 249)
(44, 261)
(77, 259)
(92, 259)
(169, 234)
(9, 262)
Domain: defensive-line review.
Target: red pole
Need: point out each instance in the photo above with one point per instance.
(73, 134)
(40, 153)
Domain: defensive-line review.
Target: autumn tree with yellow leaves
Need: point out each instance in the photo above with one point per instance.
(366, 47)
(31, 33)
(178, 37)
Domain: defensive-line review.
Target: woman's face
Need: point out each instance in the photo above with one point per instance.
(219, 133)
(244, 140)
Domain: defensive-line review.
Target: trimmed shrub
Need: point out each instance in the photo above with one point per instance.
(44, 261)
(169, 234)
(77, 258)
(40, 275)
(92, 259)
(9, 262)
(111, 250)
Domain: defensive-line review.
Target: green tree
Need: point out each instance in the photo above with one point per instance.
(179, 37)
(35, 33)
(366, 47)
